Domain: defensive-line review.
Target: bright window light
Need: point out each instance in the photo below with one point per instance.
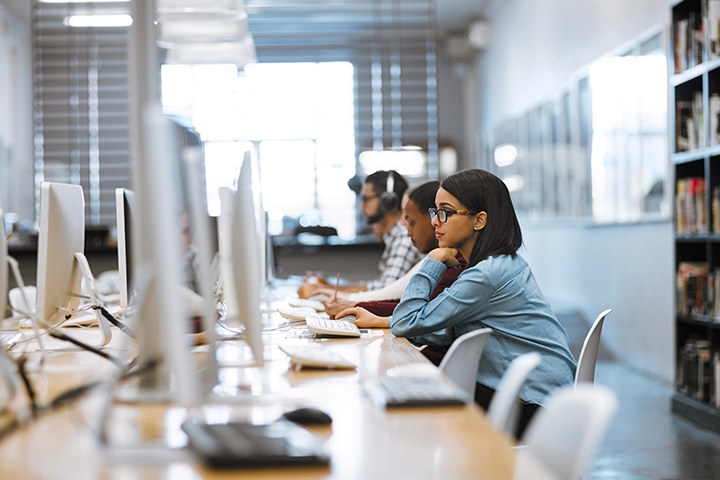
(505, 155)
(298, 119)
(407, 162)
(83, 1)
(84, 21)
(514, 182)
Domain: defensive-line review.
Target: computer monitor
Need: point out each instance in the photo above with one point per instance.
(124, 205)
(61, 263)
(163, 323)
(3, 270)
(246, 264)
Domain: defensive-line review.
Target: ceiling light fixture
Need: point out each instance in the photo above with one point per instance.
(98, 21)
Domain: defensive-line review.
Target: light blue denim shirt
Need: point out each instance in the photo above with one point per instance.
(500, 293)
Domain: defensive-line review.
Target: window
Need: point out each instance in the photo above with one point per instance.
(296, 119)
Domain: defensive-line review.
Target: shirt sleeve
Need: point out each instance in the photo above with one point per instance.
(423, 319)
(380, 308)
(402, 255)
(391, 290)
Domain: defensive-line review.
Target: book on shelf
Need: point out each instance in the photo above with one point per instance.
(690, 210)
(714, 117)
(698, 372)
(689, 121)
(716, 379)
(695, 289)
(688, 41)
(713, 28)
(715, 205)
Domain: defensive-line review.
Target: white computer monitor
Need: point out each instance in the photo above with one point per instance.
(246, 263)
(3, 270)
(61, 263)
(162, 322)
(124, 206)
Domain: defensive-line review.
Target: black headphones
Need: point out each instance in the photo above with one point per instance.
(389, 200)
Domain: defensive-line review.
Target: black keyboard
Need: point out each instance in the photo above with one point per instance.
(415, 392)
(237, 444)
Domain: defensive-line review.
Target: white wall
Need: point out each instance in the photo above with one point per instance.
(536, 48)
(17, 184)
(626, 268)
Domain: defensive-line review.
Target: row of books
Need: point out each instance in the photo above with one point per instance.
(690, 121)
(688, 33)
(697, 290)
(698, 373)
(690, 210)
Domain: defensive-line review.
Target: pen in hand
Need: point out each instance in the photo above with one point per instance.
(337, 284)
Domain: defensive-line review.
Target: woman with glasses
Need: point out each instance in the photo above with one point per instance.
(474, 216)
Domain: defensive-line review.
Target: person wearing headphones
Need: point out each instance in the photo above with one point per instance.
(380, 201)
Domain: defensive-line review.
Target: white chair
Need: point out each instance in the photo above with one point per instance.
(503, 409)
(562, 439)
(588, 355)
(460, 363)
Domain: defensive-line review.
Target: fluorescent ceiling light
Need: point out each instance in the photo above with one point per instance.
(116, 20)
(83, 1)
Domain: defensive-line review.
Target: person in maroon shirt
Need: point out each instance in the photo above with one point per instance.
(417, 221)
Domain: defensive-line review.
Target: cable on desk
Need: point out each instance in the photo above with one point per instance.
(111, 318)
(28, 385)
(85, 346)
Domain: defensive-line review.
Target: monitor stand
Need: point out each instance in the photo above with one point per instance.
(103, 323)
(15, 268)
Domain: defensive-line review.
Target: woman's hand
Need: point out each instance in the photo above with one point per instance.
(364, 319)
(445, 255)
(335, 306)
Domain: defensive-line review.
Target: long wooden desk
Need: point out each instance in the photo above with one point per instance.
(365, 442)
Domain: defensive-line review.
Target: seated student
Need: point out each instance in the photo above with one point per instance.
(415, 207)
(475, 216)
(381, 201)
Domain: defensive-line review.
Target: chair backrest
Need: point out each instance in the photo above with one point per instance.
(588, 355)
(460, 363)
(503, 410)
(565, 435)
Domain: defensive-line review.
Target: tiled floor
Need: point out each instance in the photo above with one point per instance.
(645, 441)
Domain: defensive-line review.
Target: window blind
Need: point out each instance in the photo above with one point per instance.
(80, 110)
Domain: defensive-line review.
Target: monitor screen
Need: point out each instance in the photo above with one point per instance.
(246, 254)
(61, 235)
(124, 205)
(3, 270)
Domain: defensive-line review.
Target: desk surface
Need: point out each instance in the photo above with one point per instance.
(364, 441)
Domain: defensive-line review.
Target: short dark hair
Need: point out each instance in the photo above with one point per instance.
(379, 179)
(423, 195)
(481, 191)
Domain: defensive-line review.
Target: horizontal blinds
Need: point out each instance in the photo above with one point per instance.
(392, 44)
(80, 108)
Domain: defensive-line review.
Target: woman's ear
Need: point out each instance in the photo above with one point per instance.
(480, 221)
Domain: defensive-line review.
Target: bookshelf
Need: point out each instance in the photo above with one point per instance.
(695, 146)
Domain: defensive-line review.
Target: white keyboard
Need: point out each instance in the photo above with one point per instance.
(316, 356)
(296, 313)
(324, 326)
(316, 305)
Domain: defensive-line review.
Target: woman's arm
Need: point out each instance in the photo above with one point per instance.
(415, 315)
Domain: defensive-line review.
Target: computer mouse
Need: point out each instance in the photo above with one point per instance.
(414, 370)
(308, 416)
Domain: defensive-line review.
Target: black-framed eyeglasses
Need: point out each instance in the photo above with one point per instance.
(443, 215)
